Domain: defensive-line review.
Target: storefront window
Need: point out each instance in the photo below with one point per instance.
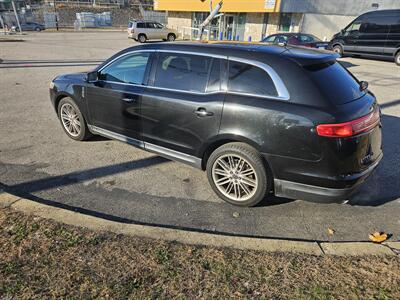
(285, 22)
(198, 18)
(227, 26)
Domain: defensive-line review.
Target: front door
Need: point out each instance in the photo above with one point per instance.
(351, 36)
(182, 110)
(229, 27)
(114, 100)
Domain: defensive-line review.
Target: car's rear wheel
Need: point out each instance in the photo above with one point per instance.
(72, 120)
(238, 175)
(37, 29)
(397, 58)
(338, 49)
(171, 37)
(142, 38)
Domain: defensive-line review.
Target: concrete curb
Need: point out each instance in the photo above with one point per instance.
(195, 238)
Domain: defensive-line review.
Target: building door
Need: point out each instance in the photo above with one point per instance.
(285, 22)
(229, 27)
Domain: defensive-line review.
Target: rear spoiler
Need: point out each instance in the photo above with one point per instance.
(307, 56)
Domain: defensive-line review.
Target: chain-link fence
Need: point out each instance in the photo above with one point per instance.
(85, 13)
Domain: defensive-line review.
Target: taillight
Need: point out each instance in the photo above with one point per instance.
(351, 128)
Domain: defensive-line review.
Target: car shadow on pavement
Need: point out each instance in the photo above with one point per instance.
(347, 64)
(390, 104)
(26, 188)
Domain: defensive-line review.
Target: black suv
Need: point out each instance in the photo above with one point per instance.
(258, 118)
(373, 34)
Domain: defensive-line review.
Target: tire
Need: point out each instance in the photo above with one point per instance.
(338, 49)
(142, 38)
(75, 132)
(397, 58)
(37, 29)
(171, 37)
(233, 183)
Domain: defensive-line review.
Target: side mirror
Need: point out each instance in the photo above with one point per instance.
(92, 76)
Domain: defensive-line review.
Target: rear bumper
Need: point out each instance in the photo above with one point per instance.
(313, 193)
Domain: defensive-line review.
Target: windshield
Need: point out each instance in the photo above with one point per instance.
(335, 82)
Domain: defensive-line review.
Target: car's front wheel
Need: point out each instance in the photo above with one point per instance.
(72, 120)
(238, 175)
(37, 29)
(338, 49)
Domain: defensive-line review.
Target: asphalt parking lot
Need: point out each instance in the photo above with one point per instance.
(116, 181)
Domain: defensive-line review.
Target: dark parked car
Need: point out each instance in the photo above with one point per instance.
(31, 26)
(288, 120)
(373, 34)
(298, 39)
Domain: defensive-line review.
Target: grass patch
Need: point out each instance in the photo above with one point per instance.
(44, 259)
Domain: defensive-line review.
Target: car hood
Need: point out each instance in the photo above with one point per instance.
(72, 77)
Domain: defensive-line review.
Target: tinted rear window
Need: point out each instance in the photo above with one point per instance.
(335, 82)
(245, 78)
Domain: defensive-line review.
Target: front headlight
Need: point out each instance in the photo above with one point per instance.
(52, 85)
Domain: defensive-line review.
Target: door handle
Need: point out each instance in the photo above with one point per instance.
(202, 112)
(128, 99)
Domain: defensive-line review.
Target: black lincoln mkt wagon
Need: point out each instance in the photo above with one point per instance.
(258, 118)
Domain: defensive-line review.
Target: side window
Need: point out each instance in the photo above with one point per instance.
(394, 21)
(140, 25)
(214, 80)
(353, 28)
(245, 78)
(159, 26)
(281, 39)
(150, 25)
(306, 39)
(182, 72)
(128, 69)
(270, 39)
(378, 23)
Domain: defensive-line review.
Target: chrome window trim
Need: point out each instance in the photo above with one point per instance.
(183, 91)
(283, 93)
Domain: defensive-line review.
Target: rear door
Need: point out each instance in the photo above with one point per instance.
(182, 109)
(114, 100)
(151, 31)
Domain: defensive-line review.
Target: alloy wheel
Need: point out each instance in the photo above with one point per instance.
(235, 177)
(70, 119)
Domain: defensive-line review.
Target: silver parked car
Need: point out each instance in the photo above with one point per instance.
(149, 30)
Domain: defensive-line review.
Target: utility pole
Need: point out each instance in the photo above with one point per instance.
(55, 13)
(3, 25)
(16, 16)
